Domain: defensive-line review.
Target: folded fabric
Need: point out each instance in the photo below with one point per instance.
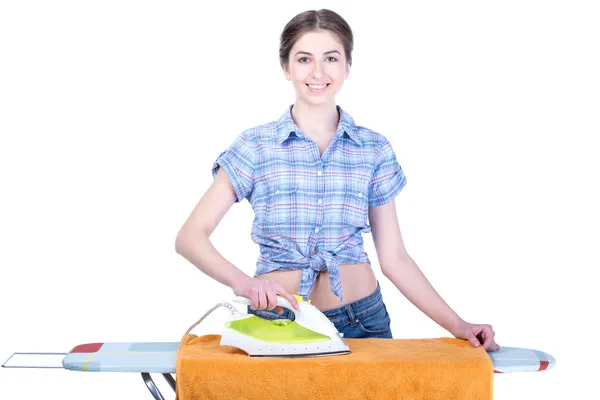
(439, 368)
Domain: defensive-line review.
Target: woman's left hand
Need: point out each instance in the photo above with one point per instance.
(477, 335)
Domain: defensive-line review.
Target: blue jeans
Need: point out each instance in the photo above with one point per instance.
(364, 318)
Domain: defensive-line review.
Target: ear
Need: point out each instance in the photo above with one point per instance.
(347, 71)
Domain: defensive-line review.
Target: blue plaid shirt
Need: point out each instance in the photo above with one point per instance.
(311, 210)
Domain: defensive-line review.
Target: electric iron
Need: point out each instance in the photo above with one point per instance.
(311, 334)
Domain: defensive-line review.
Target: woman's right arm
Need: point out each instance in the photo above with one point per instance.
(194, 245)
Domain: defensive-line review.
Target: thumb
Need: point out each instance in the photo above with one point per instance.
(470, 336)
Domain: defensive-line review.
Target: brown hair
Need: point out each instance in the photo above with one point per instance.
(314, 20)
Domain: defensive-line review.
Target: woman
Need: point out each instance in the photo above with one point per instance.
(316, 181)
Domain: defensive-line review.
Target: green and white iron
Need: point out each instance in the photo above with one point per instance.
(311, 333)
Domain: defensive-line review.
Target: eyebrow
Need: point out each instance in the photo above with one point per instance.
(327, 52)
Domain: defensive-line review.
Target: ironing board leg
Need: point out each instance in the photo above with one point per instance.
(171, 381)
(152, 386)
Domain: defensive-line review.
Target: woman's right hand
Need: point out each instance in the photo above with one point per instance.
(263, 294)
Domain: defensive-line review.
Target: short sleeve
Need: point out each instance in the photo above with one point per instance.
(239, 163)
(388, 177)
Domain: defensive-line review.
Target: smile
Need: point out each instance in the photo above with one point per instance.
(317, 88)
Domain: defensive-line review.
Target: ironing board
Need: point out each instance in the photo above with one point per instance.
(160, 357)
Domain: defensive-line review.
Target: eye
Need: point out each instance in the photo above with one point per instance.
(332, 59)
(303, 59)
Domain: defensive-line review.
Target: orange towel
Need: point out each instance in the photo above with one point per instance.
(444, 368)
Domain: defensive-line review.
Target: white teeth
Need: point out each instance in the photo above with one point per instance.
(317, 87)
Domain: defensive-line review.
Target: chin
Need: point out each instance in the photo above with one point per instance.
(317, 100)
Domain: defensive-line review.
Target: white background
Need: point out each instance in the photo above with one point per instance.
(112, 113)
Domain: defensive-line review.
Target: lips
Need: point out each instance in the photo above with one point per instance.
(320, 88)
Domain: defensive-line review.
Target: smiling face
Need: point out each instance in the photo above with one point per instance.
(317, 67)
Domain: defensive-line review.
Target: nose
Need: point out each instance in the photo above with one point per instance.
(317, 71)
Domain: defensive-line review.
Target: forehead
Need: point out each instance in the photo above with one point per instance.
(318, 42)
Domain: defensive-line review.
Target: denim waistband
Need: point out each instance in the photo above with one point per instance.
(358, 309)
(349, 312)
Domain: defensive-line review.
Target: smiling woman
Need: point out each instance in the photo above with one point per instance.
(316, 53)
(316, 182)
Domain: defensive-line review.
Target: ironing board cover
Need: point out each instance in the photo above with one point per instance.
(153, 357)
(160, 357)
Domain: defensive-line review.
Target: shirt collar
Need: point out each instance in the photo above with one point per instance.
(286, 126)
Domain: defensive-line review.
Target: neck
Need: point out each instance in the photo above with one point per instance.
(316, 121)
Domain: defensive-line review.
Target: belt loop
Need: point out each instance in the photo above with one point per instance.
(351, 316)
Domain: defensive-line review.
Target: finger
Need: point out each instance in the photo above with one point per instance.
(262, 299)
(253, 296)
(488, 335)
(288, 297)
(279, 310)
(493, 347)
(271, 299)
(470, 336)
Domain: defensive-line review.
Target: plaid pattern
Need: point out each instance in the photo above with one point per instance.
(311, 210)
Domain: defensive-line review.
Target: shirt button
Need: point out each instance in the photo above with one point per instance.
(320, 202)
(316, 230)
(319, 173)
(360, 195)
(277, 192)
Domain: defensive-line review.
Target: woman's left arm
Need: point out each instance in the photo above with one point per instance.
(405, 274)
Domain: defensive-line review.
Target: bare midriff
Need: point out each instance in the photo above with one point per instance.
(358, 281)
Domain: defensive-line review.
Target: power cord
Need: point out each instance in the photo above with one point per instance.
(223, 303)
